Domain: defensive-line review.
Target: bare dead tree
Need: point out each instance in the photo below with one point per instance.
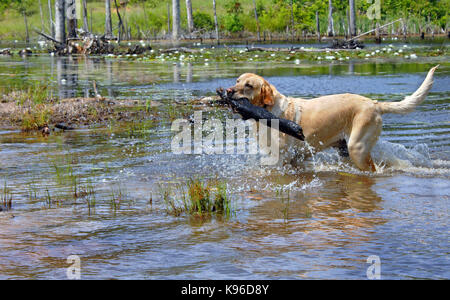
(352, 21)
(85, 17)
(121, 25)
(60, 24)
(257, 21)
(317, 25)
(27, 39)
(41, 12)
(108, 20)
(71, 16)
(330, 19)
(168, 18)
(176, 20)
(216, 23)
(50, 16)
(190, 18)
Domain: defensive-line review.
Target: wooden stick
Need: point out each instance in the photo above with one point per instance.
(370, 31)
(48, 37)
(250, 111)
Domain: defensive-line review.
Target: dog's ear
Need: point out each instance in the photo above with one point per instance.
(267, 94)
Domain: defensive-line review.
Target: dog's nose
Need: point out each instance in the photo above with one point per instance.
(230, 91)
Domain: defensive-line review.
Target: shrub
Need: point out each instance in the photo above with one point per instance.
(203, 21)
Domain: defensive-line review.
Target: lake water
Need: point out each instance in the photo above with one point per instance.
(326, 222)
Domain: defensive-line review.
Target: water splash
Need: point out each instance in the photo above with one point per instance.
(388, 157)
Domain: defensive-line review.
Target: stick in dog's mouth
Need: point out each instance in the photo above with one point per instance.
(249, 111)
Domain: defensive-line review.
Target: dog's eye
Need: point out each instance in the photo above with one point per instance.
(248, 85)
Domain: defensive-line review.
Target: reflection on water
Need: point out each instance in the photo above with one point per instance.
(322, 219)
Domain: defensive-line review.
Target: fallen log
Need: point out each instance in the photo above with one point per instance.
(249, 111)
(180, 49)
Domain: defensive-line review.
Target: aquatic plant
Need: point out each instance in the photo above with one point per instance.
(197, 198)
(36, 117)
(284, 195)
(6, 197)
(117, 197)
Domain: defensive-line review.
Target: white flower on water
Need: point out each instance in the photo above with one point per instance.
(297, 61)
(413, 56)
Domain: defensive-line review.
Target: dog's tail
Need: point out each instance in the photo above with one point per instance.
(408, 104)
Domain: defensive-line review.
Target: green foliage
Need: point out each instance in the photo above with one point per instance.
(203, 21)
(232, 21)
(150, 16)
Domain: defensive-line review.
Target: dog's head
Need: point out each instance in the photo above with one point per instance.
(253, 87)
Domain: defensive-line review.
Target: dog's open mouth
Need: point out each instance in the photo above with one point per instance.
(247, 110)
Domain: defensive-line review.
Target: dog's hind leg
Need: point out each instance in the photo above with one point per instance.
(362, 139)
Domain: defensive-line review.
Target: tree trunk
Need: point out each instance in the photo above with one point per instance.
(330, 19)
(352, 24)
(258, 28)
(71, 19)
(27, 39)
(190, 18)
(85, 17)
(168, 19)
(317, 25)
(122, 29)
(175, 20)
(108, 20)
(348, 33)
(42, 16)
(50, 15)
(60, 24)
(216, 23)
(292, 20)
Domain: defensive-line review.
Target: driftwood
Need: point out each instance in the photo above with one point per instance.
(350, 44)
(180, 49)
(6, 51)
(293, 49)
(89, 44)
(249, 111)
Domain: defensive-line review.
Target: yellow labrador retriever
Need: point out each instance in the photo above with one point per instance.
(329, 119)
